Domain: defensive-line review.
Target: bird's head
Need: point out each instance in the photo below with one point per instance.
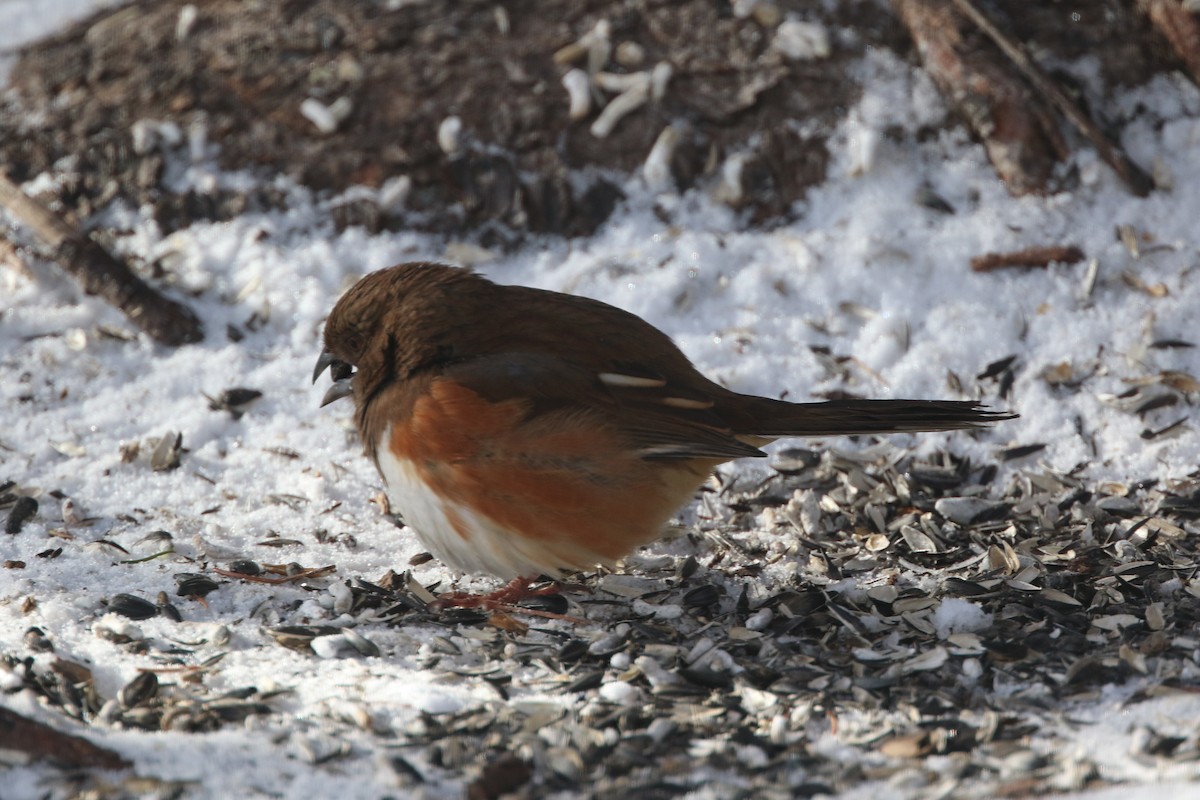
(387, 325)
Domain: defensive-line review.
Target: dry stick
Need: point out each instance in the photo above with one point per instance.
(11, 258)
(1029, 257)
(1133, 175)
(100, 273)
(40, 741)
(1181, 29)
(1020, 131)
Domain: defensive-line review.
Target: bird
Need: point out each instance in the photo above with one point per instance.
(522, 432)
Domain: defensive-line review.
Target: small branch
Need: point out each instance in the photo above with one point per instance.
(11, 257)
(44, 223)
(40, 741)
(100, 273)
(1019, 130)
(1181, 29)
(1029, 257)
(1137, 180)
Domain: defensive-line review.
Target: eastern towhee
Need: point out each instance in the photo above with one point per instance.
(523, 432)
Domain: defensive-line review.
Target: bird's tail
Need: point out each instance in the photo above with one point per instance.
(846, 417)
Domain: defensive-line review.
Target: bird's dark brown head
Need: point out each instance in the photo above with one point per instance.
(386, 326)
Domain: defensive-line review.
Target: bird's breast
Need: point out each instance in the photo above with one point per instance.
(486, 490)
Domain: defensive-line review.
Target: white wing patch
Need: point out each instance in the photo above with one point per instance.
(635, 381)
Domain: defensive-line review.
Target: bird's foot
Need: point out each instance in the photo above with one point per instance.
(505, 597)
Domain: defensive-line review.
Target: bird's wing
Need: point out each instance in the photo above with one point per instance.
(655, 419)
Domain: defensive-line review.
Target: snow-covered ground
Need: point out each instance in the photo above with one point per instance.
(866, 271)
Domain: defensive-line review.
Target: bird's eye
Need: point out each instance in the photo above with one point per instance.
(355, 343)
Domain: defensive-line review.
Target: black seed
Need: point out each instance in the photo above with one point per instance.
(236, 712)
(1091, 670)
(926, 196)
(709, 679)
(1161, 401)
(884, 607)
(1080, 495)
(1006, 651)
(138, 690)
(35, 640)
(194, 584)
(964, 588)
(502, 776)
(1181, 505)
(230, 399)
(401, 765)
(996, 367)
(456, 615)
(299, 637)
(245, 566)
(689, 568)
(132, 606)
(1006, 383)
(169, 611)
(652, 632)
(573, 650)
(936, 478)
(701, 596)
(800, 604)
(586, 682)
(1021, 451)
(760, 675)
(1154, 434)
(550, 603)
(22, 510)
(1164, 745)
(360, 643)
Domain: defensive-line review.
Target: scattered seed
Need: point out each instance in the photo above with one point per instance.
(996, 368)
(23, 508)
(1021, 451)
(193, 584)
(235, 401)
(165, 455)
(132, 606)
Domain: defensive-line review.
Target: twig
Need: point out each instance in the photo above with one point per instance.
(1029, 257)
(1019, 130)
(11, 257)
(1180, 28)
(100, 273)
(40, 741)
(1133, 175)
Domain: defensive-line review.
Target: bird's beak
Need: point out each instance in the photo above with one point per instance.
(326, 361)
(336, 392)
(341, 373)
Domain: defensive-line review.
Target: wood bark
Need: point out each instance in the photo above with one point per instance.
(100, 273)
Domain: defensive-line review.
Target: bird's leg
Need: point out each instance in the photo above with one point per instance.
(508, 595)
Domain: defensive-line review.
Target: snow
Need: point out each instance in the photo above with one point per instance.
(23, 21)
(955, 615)
(865, 270)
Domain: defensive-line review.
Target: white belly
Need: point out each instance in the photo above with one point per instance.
(486, 547)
